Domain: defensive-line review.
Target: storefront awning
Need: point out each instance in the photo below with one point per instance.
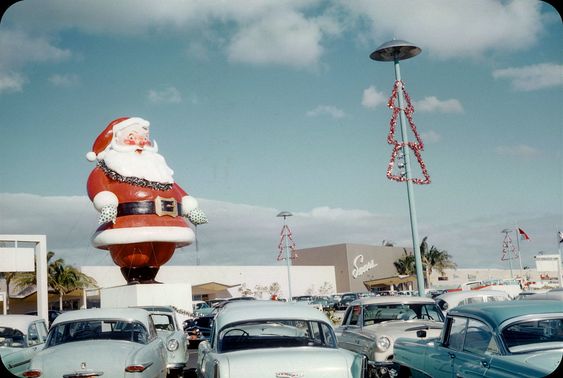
(388, 281)
(210, 288)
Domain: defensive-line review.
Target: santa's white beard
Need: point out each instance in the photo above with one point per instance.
(148, 165)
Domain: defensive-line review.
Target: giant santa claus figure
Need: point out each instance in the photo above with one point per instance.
(141, 208)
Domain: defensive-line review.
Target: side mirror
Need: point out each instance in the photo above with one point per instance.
(421, 334)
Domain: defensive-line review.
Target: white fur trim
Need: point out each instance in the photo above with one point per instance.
(188, 204)
(183, 235)
(105, 198)
(91, 156)
(129, 122)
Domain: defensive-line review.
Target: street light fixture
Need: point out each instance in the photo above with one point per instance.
(286, 214)
(394, 51)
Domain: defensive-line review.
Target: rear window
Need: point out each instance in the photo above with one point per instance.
(98, 329)
(534, 335)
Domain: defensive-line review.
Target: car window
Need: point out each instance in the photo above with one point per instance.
(534, 335)
(479, 339)
(355, 315)
(97, 329)
(11, 337)
(275, 333)
(472, 300)
(163, 322)
(494, 298)
(33, 337)
(376, 313)
(457, 332)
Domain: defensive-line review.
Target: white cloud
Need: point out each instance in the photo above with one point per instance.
(69, 222)
(453, 29)
(432, 104)
(284, 39)
(329, 110)
(169, 95)
(534, 77)
(372, 98)
(11, 82)
(429, 137)
(65, 80)
(520, 150)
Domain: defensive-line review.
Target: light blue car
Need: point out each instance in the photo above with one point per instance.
(257, 339)
(121, 342)
(494, 339)
(21, 337)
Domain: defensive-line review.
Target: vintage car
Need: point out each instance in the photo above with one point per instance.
(166, 324)
(119, 342)
(371, 325)
(198, 329)
(21, 337)
(453, 299)
(495, 339)
(275, 339)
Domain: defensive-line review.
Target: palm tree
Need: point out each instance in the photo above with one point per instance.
(406, 264)
(61, 277)
(8, 277)
(434, 258)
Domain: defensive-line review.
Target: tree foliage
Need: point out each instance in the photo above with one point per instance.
(61, 277)
(432, 259)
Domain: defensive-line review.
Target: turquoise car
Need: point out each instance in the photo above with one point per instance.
(21, 337)
(494, 339)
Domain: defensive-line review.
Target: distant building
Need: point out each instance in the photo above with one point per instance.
(359, 267)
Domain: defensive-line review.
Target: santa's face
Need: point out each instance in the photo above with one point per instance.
(131, 154)
(135, 137)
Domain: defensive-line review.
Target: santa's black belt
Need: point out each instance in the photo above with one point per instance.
(160, 207)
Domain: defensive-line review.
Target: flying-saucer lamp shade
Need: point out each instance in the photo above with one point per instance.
(396, 49)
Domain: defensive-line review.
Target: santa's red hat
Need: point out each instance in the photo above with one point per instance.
(104, 139)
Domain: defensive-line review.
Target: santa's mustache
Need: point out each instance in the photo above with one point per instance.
(121, 148)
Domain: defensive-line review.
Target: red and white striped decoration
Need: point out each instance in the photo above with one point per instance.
(286, 233)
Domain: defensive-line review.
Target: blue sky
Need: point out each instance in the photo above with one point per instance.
(264, 106)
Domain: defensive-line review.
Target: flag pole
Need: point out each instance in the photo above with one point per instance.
(560, 237)
(519, 252)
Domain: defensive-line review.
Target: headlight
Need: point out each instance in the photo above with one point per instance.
(172, 345)
(383, 343)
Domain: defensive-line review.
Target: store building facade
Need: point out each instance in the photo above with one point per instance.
(359, 267)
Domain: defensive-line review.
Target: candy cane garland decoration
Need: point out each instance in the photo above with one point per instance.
(281, 245)
(416, 147)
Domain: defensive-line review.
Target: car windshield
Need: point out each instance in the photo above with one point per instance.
(276, 333)
(11, 337)
(376, 313)
(97, 329)
(534, 335)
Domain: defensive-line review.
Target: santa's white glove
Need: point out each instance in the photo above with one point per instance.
(108, 214)
(197, 217)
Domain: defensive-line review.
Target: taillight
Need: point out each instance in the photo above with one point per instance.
(137, 368)
(32, 373)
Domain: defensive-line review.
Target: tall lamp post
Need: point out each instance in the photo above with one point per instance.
(285, 238)
(394, 51)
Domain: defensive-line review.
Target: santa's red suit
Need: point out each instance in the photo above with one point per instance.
(142, 221)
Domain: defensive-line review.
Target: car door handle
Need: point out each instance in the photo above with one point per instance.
(485, 364)
(452, 355)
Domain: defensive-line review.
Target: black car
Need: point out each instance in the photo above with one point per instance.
(198, 329)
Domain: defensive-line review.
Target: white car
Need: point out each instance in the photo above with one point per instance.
(452, 299)
(258, 339)
(21, 337)
(119, 342)
(166, 324)
(371, 325)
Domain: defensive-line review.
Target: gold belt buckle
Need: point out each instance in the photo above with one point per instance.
(165, 206)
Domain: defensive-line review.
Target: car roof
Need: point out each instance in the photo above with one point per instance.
(496, 313)
(471, 293)
(19, 322)
(264, 309)
(156, 308)
(129, 314)
(392, 299)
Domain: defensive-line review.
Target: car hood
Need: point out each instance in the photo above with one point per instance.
(107, 356)
(403, 328)
(306, 362)
(546, 361)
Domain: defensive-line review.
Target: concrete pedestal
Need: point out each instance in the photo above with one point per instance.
(178, 295)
